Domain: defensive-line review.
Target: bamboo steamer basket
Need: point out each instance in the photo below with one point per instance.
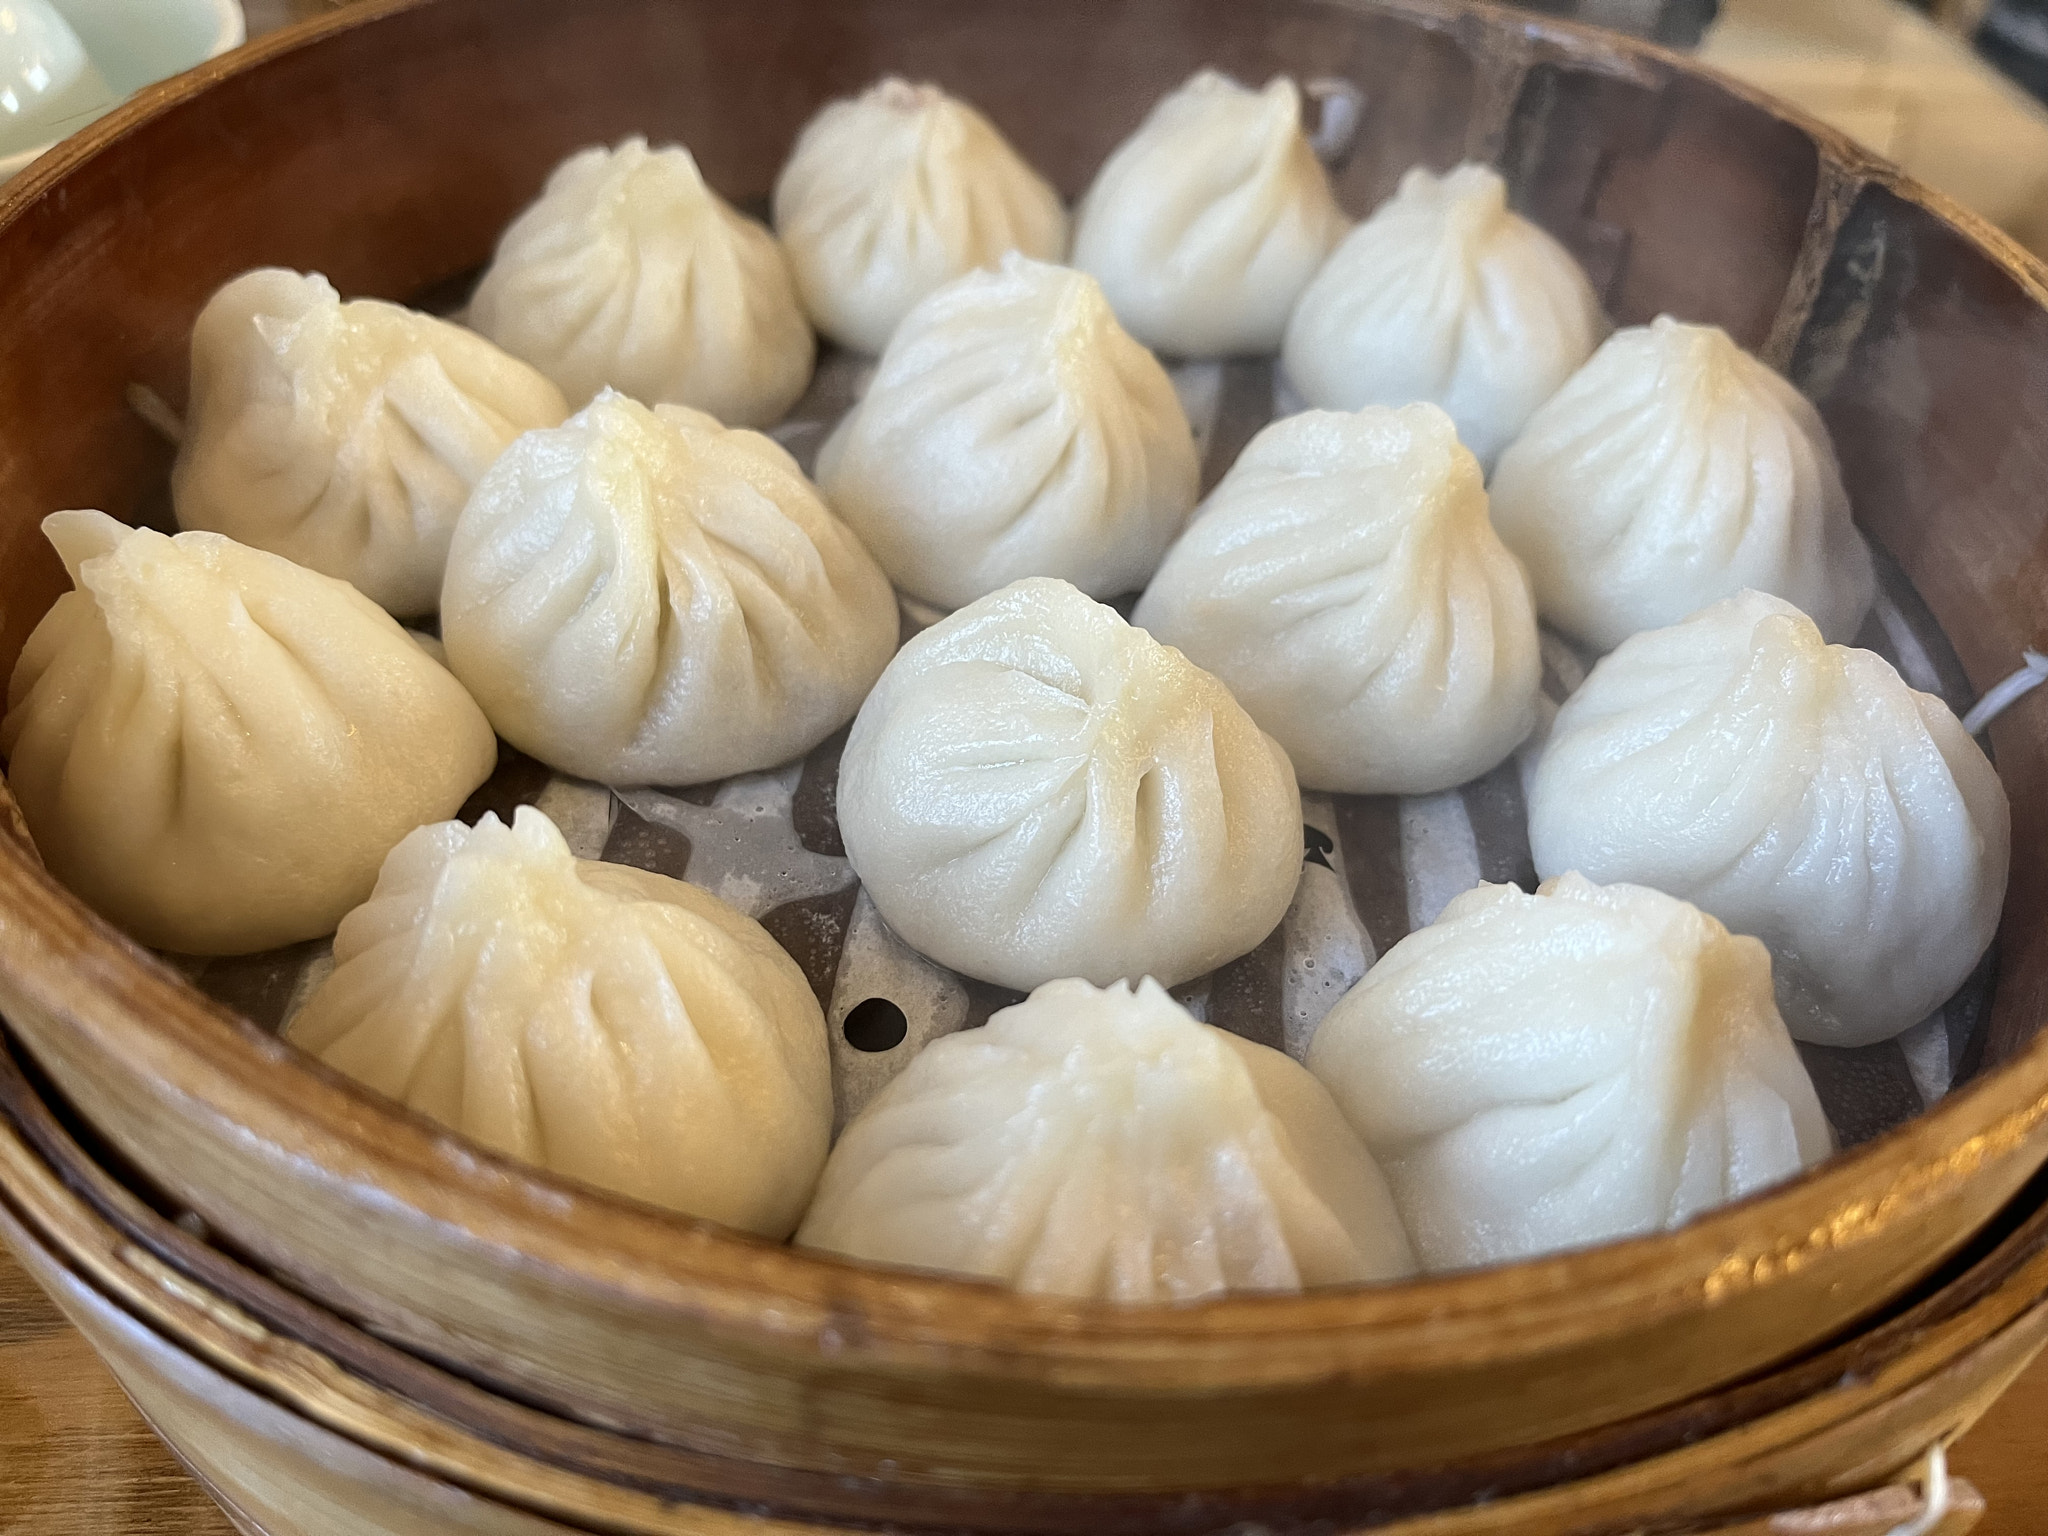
(387, 146)
(296, 1421)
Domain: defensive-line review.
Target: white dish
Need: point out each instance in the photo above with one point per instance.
(139, 42)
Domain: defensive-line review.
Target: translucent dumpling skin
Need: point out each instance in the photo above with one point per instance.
(645, 597)
(1345, 583)
(1445, 295)
(1797, 790)
(1013, 429)
(345, 436)
(1105, 1145)
(1671, 471)
(896, 191)
(630, 273)
(1037, 790)
(216, 748)
(610, 1024)
(1205, 224)
(1543, 1072)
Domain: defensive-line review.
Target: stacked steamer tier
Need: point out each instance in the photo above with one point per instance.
(820, 1391)
(295, 1419)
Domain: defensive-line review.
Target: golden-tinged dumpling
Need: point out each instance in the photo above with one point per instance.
(345, 436)
(611, 1024)
(216, 747)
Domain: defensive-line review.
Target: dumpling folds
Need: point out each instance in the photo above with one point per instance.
(630, 273)
(893, 192)
(1674, 470)
(1797, 790)
(1206, 223)
(216, 748)
(1105, 1145)
(600, 1021)
(345, 437)
(644, 597)
(1543, 1072)
(1036, 790)
(1345, 583)
(1445, 295)
(1013, 429)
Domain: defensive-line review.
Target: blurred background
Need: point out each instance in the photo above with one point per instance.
(1951, 89)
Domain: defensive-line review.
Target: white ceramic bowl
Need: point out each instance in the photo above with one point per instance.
(139, 42)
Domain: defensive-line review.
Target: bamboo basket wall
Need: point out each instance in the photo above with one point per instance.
(387, 146)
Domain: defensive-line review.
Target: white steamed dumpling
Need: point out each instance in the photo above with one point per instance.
(344, 436)
(1446, 295)
(630, 273)
(1797, 790)
(215, 747)
(604, 1022)
(896, 191)
(1543, 1072)
(1671, 471)
(1344, 581)
(1206, 223)
(1105, 1145)
(1013, 429)
(1036, 790)
(645, 597)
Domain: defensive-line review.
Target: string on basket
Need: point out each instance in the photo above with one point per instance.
(1934, 1494)
(2003, 694)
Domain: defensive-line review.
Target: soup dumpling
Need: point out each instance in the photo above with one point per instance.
(1013, 429)
(1446, 295)
(608, 1023)
(645, 597)
(1543, 1072)
(1344, 582)
(216, 748)
(630, 273)
(1206, 223)
(1036, 789)
(896, 191)
(344, 436)
(1797, 790)
(1671, 471)
(1106, 1145)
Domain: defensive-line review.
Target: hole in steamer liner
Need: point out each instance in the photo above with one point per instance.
(875, 1024)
